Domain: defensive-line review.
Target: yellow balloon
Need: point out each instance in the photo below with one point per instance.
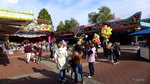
(104, 32)
(111, 29)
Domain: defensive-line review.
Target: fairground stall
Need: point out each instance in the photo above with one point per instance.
(11, 21)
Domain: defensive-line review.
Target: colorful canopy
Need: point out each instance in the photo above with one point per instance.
(34, 30)
(34, 27)
(142, 32)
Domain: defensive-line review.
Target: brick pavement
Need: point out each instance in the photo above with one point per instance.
(129, 71)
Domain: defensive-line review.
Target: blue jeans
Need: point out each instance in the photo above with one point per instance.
(62, 74)
(91, 68)
(78, 67)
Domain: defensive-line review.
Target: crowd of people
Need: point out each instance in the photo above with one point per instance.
(85, 50)
(59, 53)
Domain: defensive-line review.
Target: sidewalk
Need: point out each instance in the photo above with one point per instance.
(18, 72)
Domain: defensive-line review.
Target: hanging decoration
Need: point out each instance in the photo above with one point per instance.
(34, 27)
(49, 39)
(96, 39)
(29, 35)
(54, 40)
(106, 32)
(86, 36)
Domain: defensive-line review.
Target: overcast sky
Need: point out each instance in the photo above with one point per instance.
(61, 10)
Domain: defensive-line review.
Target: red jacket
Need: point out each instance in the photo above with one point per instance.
(28, 49)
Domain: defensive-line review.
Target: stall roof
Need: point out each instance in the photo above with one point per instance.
(142, 32)
(11, 21)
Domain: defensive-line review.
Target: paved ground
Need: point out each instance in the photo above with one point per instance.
(14, 70)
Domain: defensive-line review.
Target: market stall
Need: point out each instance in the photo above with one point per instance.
(11, 21)
(145, 46)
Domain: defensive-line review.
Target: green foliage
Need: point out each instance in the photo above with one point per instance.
(67, 25)
(103, 15)
(92, 17)
(73, 23)
(44, 15)
(61, 26)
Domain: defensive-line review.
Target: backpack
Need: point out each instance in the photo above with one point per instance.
(89, 52)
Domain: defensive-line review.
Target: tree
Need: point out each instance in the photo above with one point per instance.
(73, 23)
(61, 26)
(103, 15)
(67, 24)
(92, 17)
(44, 15)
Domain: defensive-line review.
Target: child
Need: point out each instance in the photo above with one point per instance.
(35, 50)
(39, 54)
(71, 65)
(109, 52)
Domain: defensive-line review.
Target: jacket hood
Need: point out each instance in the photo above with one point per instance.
(61, 51)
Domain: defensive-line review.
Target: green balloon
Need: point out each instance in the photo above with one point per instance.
(54, 40)
(102, 35)
(107, 40)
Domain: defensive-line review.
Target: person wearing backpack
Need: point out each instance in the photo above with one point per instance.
(91, 59)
